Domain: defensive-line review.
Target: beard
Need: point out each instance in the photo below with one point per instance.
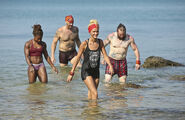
(121, 38)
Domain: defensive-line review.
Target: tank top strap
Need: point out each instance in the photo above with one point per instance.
(99, 44)
(31, 46)
(87, 41)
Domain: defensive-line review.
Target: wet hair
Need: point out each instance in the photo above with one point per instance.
(121, 26)
(37, 30)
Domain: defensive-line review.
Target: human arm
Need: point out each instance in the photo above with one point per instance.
(78, 42)
(27, 57)
(106, 42)
(136, 52)
(53, 47)
(48, 59)
(106, 58)
(80, 52)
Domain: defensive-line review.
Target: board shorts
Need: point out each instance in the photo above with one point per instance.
(119, 66)
(64, 57)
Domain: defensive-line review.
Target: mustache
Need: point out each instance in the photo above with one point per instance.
(121, 38)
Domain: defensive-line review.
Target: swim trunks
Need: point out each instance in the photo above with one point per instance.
(91, 63)
(64, 57)
(119, 66)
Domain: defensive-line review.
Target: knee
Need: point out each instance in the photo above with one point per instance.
(45, 81)
(108, 78)
(123, 79)
(31, 82)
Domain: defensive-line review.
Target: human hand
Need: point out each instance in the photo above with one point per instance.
(69, 78)
(103, 62)
(111, 70)
(137, 66)
(55, 69)
(53, 60)
(31, 68)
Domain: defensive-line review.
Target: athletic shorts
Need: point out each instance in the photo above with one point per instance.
(119, 66)
(64, 57)
(94, 73)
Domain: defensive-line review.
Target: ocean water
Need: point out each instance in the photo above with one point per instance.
(158, 28)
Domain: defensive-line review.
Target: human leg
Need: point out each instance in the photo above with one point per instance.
(108, 77)
(62, 65)
(97, 82)
(122, 72)
(31, 75)
(123, 79)
(42, 74)
(92, 89)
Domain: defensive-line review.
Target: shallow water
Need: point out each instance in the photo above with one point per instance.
(158, 28)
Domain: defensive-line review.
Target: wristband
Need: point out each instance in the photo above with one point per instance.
(71, 73)
(138, 62)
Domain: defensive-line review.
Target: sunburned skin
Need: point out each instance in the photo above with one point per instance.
(67, 38)
(118, 48)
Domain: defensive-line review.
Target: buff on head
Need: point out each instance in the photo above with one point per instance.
(69, 19)
(93, 24)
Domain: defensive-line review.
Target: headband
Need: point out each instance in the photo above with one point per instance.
(69, 19)
(92, 27)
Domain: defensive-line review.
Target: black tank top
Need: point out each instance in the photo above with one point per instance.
(91, 58)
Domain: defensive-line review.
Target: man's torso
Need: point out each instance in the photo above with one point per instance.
(67, 38)
(118, 48)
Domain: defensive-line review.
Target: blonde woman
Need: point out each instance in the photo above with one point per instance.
(91, 49)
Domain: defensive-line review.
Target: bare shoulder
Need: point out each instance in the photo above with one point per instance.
(111, 35)
(43, 44)
(84, 43)
(130, 38)
(61, 29)
(75, 29)
(28, 43)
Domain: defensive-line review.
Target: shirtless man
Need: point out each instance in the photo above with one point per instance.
(67, 36)
(119, 42)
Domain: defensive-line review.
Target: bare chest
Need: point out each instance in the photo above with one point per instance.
(68, 36)
(120, 43)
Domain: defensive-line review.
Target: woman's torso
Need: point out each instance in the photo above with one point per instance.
(91, 57)
(35, 52)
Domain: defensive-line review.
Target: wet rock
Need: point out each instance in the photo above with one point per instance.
(178, 77)
(155, 62)
(131, 85)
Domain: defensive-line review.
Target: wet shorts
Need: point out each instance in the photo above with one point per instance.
(119, 66)
(94, 73)
(64, 57)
